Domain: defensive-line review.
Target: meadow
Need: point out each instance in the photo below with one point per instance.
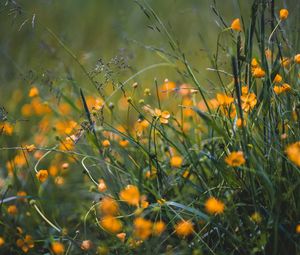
(150, 127)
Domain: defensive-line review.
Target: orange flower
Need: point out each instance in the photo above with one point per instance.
(111, 224)
(236, 25)
(6, 128)
(214, 206)
(58, 248)
(123, 143)
(130, 195)
(106, 143)
(235, 158)
(297, 58)
(22, 194)
(162, 115)
(26, 243)
(184, 228)
(277, 78)
(158, 228)
(223, 99)
(298, 229)
(248, 102)
(42, 175)
(176, 161)
(283, 14)
(258, 72)
(240, 123)
(2, 241)
(254, 63)
(285, 61)
(121, 236)
(109, 206)
(142, 228)
(284, 88)
(293, 152)
(33, 92)
(167, 87)
(12, 210)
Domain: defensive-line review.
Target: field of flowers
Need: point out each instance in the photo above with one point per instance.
(150, 127)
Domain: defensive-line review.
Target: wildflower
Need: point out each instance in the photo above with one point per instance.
(6, 128)
(214, 206)
(268, 53)
(163, 116)
(147, 92)
(59, 180)
(184, 228)
(30, 148)
(256, 217)
(293, 152)
(167, 87)
(106, 143)
(65, 165)
(280, 89)
(26, 243)
(130, 195)
(123, 143)
(184, 89)
(285, 61)
(67, 144)
(248, 101)
(121, 236)
(58, 248)
(142, 228)
(109, 206)
(235, 158)
(283, 14)
(101, 185)
(86, 245)
(176, 161)
(277, 78)
(42, 175)
(111, 224)
(158, 228)
(12, 210)
(223, 99)
(254, 63)
(258, 72)
(298, 229)
(33, 92)
(236, 25)
(22, 194)
(240, 123)
(245, 90)
(297, 58)
(2, 241)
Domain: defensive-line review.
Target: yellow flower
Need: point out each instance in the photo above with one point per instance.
(283, 14)
(248, 102)
(158, 228)
(258, 72)
(102, 186)
(176, 161)
(285, 61)
(236, 25)
(130, 195)
(109, 206)
(277, 78)
(111, 224)
(26, 243)
(254, 63)
(184, 228)
(6, 128)
(235, 158)
(123, 143)
(12, 210)
(162, 115)
(214, 206)
(256, 217)
(280, 89)
(33, 92)
(42, 175)
(297, 58)
(58, 248)
(293, 153)
(142, 228)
